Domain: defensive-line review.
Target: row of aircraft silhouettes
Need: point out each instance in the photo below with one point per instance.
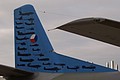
(46, 64)
(27, 33)
(21, 18)
(20, 27)
(57, 68)
(28, 54)
(27, 23)
(23, 48)
(23, 43)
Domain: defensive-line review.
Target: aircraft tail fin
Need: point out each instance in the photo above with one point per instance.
(34, 53)
(30, 38)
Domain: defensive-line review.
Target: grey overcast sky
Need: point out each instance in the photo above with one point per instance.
(59, 12)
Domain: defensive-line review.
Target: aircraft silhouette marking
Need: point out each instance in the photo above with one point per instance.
(34, 45)
(59, 64)
(20, 18)
(25, 38)
(30, 19)
(26, 60)
(23, 48)
(39, 54)
(52, 69)
(27, 33)
(73, 68)
(23, 54)
(18, 23)
(22, 43)
(20, 64)
(89, 67)
(19, 27)
(43, 59)
(46, 63)
(33, 66)
(31, 23)
(25, 13)
(36, 49)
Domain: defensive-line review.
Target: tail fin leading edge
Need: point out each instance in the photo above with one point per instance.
(33, 51)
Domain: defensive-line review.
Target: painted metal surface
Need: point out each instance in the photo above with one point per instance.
(33, 51)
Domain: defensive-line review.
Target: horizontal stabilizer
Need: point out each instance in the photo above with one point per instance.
(101, 29)
(9, 71)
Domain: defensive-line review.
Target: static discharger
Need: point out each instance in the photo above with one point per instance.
(107, 64)
(112, 65)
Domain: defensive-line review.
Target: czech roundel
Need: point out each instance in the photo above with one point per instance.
(33, 38)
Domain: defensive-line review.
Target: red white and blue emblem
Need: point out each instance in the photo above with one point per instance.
(33, 38)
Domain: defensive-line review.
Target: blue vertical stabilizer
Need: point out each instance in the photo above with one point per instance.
(33, 51)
